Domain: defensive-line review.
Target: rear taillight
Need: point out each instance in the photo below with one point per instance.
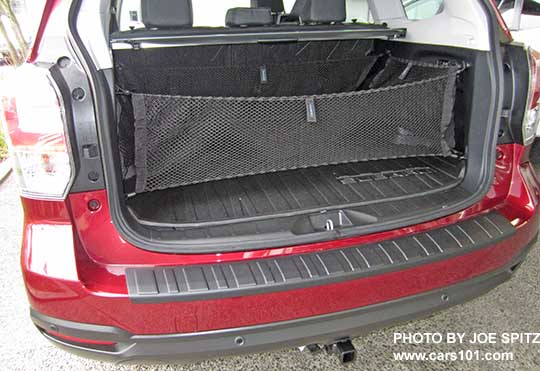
(532, 115)
(35, 127)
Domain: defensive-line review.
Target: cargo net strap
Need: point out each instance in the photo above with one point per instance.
(183, 140)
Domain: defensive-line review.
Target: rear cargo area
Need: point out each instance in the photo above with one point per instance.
(224, 134)
(311, 189)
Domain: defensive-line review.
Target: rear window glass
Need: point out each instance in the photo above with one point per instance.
(211, 13)
(422, 9)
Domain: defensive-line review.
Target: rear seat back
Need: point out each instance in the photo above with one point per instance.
(249, 17)
(167, 13)
(319, 11)
(276, 6)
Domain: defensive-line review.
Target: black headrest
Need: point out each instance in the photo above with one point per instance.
(167, 13)
(245, 17)
(276, 6)
(320, 11)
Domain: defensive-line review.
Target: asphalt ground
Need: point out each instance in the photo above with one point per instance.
(512, 307)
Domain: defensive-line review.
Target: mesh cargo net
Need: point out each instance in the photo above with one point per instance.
(244, 70)
(182, 140)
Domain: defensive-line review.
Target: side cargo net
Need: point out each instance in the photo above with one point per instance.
(181, 140)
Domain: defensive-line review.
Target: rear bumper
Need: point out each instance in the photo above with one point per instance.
(322, 329)
(321, 268)
(84, 296)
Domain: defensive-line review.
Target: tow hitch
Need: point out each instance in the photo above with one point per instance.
(343, 349)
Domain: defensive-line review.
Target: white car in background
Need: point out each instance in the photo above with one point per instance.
(523, 19)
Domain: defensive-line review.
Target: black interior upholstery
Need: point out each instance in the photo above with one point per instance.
(247, 17)
(167, 13)
(276, 6)
(319, 11)
(247, 70)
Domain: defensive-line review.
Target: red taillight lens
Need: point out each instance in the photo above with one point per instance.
(34, 124)
(532, 115)
(535, 77)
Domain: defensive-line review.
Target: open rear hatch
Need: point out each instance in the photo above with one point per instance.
(277, 139)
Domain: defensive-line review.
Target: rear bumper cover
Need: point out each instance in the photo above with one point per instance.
(68, 295)
(318, 329)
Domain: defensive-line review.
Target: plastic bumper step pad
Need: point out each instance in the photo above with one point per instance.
(187, 283)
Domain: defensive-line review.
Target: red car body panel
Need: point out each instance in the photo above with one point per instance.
(88, 283)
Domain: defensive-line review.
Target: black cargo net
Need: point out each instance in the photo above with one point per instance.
(182, 140)
(195, 114)
(247, 70)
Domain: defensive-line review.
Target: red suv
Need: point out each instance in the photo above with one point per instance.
(200, 179)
